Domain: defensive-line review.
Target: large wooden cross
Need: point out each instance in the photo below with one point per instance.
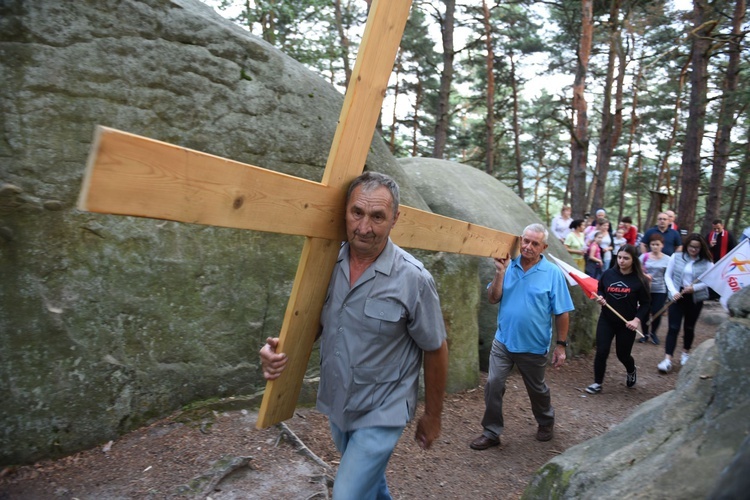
(131, 175)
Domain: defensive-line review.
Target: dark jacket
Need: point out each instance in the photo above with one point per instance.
(626, 294)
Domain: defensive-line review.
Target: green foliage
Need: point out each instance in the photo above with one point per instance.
(536, 41)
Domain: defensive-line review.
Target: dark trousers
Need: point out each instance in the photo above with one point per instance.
(657, 302)
(532, 368)
(689, 310)
(607, 330)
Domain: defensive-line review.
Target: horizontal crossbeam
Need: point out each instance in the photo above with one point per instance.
(133, 175)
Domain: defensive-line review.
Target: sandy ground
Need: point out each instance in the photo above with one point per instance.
(220, 455)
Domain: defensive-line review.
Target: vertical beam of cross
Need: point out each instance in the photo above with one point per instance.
(351, 143)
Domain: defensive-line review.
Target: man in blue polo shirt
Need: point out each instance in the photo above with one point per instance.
(530, 290)
(672, 238)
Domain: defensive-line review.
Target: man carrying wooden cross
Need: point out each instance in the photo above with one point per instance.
(381, 313)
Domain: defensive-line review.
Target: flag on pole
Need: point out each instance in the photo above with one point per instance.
(575, 277)
(731, 273)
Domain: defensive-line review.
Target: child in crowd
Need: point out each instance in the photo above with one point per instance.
(594, 260)
(655, 265)
(619, 240)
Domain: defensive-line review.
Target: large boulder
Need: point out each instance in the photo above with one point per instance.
(107, 322)
(691, 442)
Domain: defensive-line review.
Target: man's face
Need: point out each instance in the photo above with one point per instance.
(662, 221)
(718, 227)
(671, 215)
(369, 220)
(532, 245)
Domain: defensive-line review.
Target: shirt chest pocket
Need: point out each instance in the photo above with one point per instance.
(384, 317)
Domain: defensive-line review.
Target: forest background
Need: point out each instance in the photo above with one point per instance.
(629, 105)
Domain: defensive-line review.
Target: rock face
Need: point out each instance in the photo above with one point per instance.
(107, 322)
(691, 442)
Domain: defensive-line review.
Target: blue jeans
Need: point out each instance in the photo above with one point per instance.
(364, 456)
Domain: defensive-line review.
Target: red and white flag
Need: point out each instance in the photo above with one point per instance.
(577, 277)
(731, 274)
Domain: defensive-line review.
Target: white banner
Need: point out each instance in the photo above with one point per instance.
(731, 274)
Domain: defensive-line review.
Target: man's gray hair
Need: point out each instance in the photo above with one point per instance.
(373, 180)
(537, 228)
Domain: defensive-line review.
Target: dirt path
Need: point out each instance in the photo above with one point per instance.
(162, 460)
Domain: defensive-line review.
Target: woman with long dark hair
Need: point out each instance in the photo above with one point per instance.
(626, 289)
(687, 295)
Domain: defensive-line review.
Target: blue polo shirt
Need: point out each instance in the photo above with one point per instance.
(672, 239)
(530, 299)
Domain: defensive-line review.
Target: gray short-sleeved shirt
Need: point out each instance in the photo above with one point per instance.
(373, 335)
(656, 268)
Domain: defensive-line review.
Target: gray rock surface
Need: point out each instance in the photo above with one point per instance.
(686, 443)
(108, 322)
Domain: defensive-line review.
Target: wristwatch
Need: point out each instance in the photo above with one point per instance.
(563, 343)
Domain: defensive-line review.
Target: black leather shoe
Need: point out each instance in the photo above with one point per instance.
(545, 432)
(483, 442)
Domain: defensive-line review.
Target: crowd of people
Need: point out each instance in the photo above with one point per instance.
(381, 324)
(670, 263)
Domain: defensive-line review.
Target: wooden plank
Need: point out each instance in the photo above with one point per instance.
(362, 103)
(300, 327)
(428, 231)
(132, 175)
(367, 88)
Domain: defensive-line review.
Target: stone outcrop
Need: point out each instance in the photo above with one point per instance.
(107, 322)
(691, 442)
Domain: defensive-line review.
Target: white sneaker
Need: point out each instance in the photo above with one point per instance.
(665, 366)
(594, 388)
(684, 358)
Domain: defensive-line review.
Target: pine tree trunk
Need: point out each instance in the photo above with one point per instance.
(691, 158)
(580, 137)
(611, 122)
(631, 138)
(344, 42)
(740, 191)
(729, 107)
(490, 68)
(446, 80)
(516, 126)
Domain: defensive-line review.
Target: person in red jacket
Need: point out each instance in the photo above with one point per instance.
(631, 232)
